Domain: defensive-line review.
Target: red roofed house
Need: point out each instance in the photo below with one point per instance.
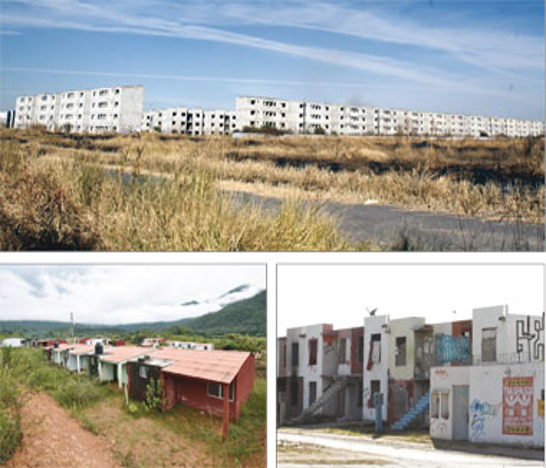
(219, 382)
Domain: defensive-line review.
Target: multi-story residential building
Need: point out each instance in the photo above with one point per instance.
(320, 372)
(113, 109)
(495, 392)
(477, 380)
(308, 117)
(189, 121)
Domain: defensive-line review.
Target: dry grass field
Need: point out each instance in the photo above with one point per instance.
(186, 207)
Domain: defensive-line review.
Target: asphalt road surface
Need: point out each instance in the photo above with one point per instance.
(319, 447)
(388, 226)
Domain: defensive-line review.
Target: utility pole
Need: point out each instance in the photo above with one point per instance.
(72, 325)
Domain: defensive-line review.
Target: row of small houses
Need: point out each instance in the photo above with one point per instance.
(218, 382)
(480, 380)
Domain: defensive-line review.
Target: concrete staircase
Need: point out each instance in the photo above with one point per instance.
(327, 395)
(421, 406)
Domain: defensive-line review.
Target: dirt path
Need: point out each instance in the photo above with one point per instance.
(52, 438)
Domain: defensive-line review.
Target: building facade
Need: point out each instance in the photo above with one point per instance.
(112, 109)
(463, 379)
(189, 121)
(309, 117)
(496, 395)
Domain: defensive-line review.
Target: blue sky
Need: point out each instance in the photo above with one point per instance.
(469, 56)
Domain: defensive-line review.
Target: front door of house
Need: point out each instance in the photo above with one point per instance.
(460, 412)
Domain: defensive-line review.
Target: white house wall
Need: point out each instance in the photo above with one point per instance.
(486, 402)
(486, 387)
(512, 330)
(442, 379)
(379, 371)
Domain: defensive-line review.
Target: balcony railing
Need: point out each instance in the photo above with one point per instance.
(503, 358)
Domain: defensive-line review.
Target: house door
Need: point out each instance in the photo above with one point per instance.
(460, 412)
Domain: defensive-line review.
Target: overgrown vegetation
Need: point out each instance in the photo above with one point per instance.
(10, 403)
(66, 202)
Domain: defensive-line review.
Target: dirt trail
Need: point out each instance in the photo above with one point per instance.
(52, 438)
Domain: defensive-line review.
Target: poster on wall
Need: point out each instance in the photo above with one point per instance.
(517, 407)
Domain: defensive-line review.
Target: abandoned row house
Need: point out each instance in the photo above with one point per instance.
(218, 382)
(464, 380)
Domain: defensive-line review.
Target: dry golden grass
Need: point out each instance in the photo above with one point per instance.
(59, 202)
(495, 179)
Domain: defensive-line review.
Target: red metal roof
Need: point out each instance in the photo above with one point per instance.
(215, 366)
(80, 349)
(124, 353)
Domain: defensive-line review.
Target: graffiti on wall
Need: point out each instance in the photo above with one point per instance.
(478, 412)
(530, 337)
(452, 349)
(517, 407)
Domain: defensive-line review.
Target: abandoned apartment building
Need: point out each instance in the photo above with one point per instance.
(480, 380)
(121, 109)
(218, 382)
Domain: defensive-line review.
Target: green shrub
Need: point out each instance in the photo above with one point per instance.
(10, 434)
(77, 394)
(153, 395)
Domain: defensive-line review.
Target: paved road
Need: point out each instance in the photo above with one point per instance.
(426, 231)
(405, 454)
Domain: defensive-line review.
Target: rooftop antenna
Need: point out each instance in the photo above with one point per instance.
(371, 312)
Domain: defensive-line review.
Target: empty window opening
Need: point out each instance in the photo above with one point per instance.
(489, 344)
(313, 350)
(360, 349)
(295, 354)
(342, 351)
(400, 359)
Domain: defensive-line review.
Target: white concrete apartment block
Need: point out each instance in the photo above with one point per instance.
(112, 109)
(190, 121)
(306, 117)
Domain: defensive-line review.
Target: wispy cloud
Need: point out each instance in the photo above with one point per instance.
(132, 18)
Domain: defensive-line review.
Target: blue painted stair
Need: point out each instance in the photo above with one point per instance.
(421, 406)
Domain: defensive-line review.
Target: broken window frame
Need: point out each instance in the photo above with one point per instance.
(400, 355)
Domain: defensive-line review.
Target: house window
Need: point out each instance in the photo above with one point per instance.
(294, 392)
(295, 354)
(284, 356)
(361, 349)
(376, 347)
(313, 348)
(217, 390)
(342, 351)
(444, 405)
(400, 359)
(143, 372)
(489, 344)
(435, 405)
(312, 392)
